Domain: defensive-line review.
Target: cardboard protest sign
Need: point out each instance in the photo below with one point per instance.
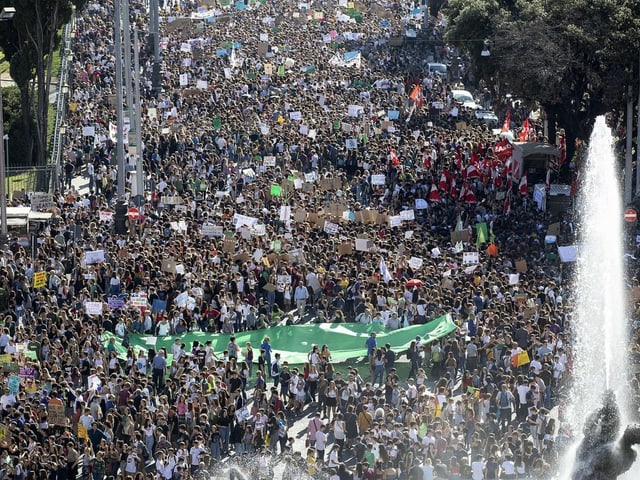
(169, 265)
(56, 414)
(459, 236)
(345, 248)
(521, 266)
(364, 244)
(229, 245)
(554, 229)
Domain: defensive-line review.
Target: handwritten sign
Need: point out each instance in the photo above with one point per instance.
(26, 372)
(39, 279)
(93, 308)
(56, 414)
(115, 303)
(95, 256)
(139, 299)
(470, 258)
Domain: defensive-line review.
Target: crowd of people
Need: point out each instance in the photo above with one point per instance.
(299, 164)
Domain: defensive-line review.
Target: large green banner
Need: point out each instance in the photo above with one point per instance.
(345, 340)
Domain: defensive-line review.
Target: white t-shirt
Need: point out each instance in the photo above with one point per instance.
(477, 470)
(321, 440)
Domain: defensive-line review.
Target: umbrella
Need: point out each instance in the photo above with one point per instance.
(414, 282)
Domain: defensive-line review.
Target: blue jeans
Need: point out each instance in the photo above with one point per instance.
(224, 435)
(378, 373)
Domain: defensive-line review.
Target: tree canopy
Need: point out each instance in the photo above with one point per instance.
(576, 58)
(28, 41)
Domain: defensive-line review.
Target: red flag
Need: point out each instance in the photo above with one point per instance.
(523, 187)
(562, 146)
(524, 133)
(394, 157)
(472, 172)
(506, 207)
(416, 95)
(442, 185)
(503, 150)
(434, 196)
(506, 126)
(469, 196)
(454, 191)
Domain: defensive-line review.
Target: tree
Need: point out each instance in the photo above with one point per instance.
(575, 58)
(29, 43)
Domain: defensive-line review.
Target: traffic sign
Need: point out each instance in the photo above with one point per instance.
(133, 213)
(630, 215)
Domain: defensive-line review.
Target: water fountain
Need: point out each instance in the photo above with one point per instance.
(599, 324)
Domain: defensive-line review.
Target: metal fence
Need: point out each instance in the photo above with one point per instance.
(21, 180)
(59, 132)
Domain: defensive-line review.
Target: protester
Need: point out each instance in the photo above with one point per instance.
(288, 180)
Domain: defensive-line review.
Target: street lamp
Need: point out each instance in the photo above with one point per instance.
(7, 13)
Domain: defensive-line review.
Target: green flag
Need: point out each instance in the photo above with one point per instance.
(276, 190)
(459, 224)
(281, 70)
(217, 123)
(481, 233)
(337, 125)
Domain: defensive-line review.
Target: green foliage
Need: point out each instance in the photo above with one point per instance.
(29, 41)
(18, 140)
(577, 56)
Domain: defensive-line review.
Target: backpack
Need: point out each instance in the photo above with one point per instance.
(275, 371)
(504, 399)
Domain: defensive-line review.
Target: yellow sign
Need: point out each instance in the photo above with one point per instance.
(5, 359)
(82, 432)
(39, 279)
(4, 432)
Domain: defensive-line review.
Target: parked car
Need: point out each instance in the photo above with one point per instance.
(465, 98)
(488, 118)
(438, 69)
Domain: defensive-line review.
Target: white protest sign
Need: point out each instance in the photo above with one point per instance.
(407, 215)
(95, 256)
(259, 229)
(139, 299)
(395, 221)
(364, 244)
(435, 252)
(93, 308)
(331, 228)
(285, 213)
(470, 258)
(378, 179)
(269, 161)
(568, 253)
(415, 263)
(240, 220)
(514, 278)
